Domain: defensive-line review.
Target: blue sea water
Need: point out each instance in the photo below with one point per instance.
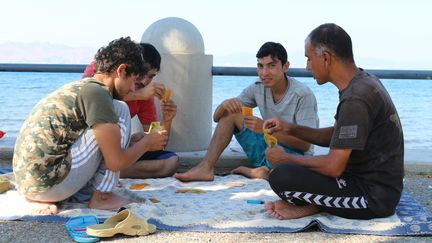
(21, 91)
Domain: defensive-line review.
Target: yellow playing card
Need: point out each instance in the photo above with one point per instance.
(153, 200)
(138, 186)
(270, 140)
(247, 111)
(167, 95)
(155, 127)
(197, 191)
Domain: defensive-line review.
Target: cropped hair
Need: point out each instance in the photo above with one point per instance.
(332, 38)
(151, 55)
(274, 50)
(121, 51)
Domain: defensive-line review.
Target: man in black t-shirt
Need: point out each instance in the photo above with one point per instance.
(362, 175)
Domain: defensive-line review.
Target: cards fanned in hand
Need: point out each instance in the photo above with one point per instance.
(155, 127)
(247, 111)
(270, 140)
(167, 95)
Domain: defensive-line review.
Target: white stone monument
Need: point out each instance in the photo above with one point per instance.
(187, 71)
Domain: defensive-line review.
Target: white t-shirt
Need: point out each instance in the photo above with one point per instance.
(298, 105)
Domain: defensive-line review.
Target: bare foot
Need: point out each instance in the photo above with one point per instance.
(283, 210)
(260, 172)
(198, 173)
(269, 207)
(107, 201)
(42, 208)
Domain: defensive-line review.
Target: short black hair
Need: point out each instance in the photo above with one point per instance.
(151, 55)
(274, 50)
(332, 38)
(121, 51)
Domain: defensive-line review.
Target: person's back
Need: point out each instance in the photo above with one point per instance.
(379, 161)
(53, 125)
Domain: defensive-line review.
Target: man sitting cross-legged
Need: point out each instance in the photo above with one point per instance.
(361, 177)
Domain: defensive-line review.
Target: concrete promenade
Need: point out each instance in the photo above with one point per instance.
(418, 181)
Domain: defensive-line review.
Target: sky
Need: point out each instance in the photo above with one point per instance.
(386, 34)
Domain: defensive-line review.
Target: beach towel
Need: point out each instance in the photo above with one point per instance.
(222, 206)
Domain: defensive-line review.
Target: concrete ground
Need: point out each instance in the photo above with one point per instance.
(418, 181)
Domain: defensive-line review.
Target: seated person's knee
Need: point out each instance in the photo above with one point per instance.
(171, 165)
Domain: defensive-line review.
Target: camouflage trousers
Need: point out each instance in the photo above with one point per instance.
(88, 172)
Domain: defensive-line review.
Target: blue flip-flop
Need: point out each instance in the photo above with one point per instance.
(76, 227)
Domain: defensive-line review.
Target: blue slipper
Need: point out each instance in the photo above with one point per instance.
(76, 227)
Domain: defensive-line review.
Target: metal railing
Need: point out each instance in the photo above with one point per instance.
(301, 72)
(216, 71)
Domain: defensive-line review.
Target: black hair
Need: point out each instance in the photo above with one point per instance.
(332, 38)
(274, 50)
(151, 55)
(121, 51)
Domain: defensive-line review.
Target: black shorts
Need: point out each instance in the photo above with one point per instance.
(156, 155)
(343, 196)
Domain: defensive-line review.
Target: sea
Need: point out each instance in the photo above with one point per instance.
(20, 91)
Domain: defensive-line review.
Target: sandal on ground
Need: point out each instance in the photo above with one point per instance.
(76, 227)
(124, 222)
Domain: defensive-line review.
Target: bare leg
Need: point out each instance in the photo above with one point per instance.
(222, 136)
(42, 208)
(107, 201)
(151, 168)
(283, 210)
(261, 172)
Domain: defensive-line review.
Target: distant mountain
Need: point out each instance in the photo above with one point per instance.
(43, 52)
(48, 53)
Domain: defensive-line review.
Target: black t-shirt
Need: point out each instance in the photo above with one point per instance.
(367, 122)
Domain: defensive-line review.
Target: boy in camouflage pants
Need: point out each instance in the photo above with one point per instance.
(75, 141)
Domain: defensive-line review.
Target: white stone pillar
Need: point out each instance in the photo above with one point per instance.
(187, 71)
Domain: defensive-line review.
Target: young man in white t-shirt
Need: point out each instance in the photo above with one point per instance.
(276, 95)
